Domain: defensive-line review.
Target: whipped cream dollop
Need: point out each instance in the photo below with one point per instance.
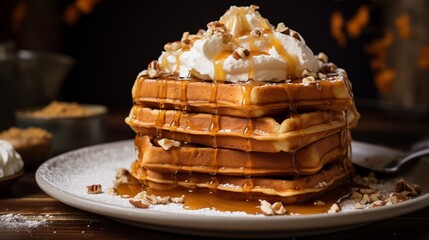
(10, 161)
(242, 45)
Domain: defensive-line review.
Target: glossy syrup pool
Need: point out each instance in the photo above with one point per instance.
(204, 198)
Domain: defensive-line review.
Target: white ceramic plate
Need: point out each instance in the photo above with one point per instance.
(66, 176)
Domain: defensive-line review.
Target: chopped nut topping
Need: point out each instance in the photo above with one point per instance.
(318, 203)
(185, 38)
(266, 208)
(375, 196)
(306, 81)
(322, 57)
(94, 189)
(356, 196)
(227, 38)
(358, 205)
(391, 199)
(201, 32)
(407, 189)
(367, 190)
(139, 203)
(218, 28)
(254, 7)
(180, 199)
(295, 35)
(120, 172)
(154, 69)
(216, 25)
(269, 209)
(371, 197)
(153, 73)
(140, 195)
(365, 199)
(255, 33)
(278, 208)
(166, 144)
(173, 46)
(307, 73)
(328, 68)
(153, 200)
(163, 200)
(111, 191)
(321, 75)
(377, 203)
(240, 53)
(334, 208)
(143, 73)
(281, 27)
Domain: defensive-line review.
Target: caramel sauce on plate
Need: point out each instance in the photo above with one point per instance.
(207, 198)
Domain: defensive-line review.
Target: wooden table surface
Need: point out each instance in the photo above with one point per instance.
(55, 220)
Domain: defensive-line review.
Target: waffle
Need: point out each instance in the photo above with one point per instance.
(188, 158)
(265, 134)
(286, 190)
(253, 99)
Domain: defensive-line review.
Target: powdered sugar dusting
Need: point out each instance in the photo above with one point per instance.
(18, 221)
(74, 171)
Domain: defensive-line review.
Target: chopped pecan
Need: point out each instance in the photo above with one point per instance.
(281, 27)
(154, 69)
(334, 208)
(255, 33)
(139, 203)
(322, 57)
(240, 53)
(94, 189)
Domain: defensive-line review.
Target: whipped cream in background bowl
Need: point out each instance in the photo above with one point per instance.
(11, 165)
(241, 46)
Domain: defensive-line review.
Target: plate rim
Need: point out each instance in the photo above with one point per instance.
(204, 222)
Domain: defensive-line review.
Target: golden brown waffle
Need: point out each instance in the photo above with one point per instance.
(264, 134)
(188, 158)
(286, 190)
(250, 100)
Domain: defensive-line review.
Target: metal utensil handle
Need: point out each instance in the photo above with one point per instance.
(400, 161)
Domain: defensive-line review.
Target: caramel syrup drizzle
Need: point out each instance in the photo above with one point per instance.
(201, 198)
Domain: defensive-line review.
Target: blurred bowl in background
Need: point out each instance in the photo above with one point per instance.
(68, 132)
(33, 144)
(29, 78)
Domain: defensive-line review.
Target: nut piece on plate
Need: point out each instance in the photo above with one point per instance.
(269, 209)
(94, 189)
(144, 200)
(139, 203)
(334, 208)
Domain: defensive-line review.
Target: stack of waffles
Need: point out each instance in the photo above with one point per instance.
(287, 140)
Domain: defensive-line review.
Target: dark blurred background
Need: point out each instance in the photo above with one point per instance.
(110, 42)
